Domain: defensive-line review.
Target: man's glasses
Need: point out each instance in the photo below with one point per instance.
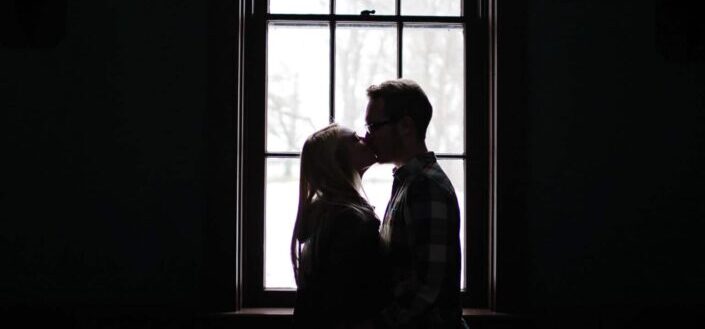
(372, 126)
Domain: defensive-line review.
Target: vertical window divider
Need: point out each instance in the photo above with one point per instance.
(397, 9)
(332, 22)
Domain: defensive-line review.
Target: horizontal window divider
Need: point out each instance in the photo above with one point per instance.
(282, 154)
(450, 156)
(281, 290)
(297, 154)
(358, 18)
(288, 311)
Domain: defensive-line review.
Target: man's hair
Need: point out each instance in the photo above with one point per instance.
(404, 97)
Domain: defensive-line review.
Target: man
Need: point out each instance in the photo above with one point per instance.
(422, 221)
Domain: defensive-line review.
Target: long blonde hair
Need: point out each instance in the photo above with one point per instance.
(327, 179)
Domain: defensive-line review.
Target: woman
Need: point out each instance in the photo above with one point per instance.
(335, 248)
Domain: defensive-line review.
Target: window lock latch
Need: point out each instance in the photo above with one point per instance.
(367, 12)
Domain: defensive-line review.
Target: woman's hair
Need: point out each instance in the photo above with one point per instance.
(327, 181)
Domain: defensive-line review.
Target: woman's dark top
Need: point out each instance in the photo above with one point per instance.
(347, 282)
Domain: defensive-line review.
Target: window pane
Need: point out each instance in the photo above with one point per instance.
(433, 57)
(377, 183)
(281, 203)
(298, 84)
(299, 6)
(354, 7)
(430, 7)
(455, 169)
(364, 55)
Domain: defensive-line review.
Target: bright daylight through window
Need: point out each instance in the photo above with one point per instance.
(299, 83)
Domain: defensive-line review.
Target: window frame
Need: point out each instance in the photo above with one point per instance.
(251, 152)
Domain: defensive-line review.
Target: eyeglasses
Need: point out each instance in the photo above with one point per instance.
(372, 126)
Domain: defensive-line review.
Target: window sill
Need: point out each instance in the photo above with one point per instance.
(287, 312)
(281, 317)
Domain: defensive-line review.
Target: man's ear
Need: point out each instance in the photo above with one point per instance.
(406, 126)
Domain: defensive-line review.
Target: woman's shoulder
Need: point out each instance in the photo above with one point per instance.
(344, 215)
(357, 213)
(354, 216)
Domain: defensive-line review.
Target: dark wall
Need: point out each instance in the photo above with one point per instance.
(103, 111)
(611, 147)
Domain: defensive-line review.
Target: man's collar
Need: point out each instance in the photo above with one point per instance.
(414, 166)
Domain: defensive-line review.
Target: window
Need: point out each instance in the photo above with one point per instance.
(308, 63)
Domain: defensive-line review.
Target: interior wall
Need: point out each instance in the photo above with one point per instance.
(614, 144)
(103, 115)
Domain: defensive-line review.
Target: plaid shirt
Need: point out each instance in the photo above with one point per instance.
(421, 232)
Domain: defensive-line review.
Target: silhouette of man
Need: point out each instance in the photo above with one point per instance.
(422, 220)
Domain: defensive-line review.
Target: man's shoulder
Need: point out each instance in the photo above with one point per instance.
(432, 180)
